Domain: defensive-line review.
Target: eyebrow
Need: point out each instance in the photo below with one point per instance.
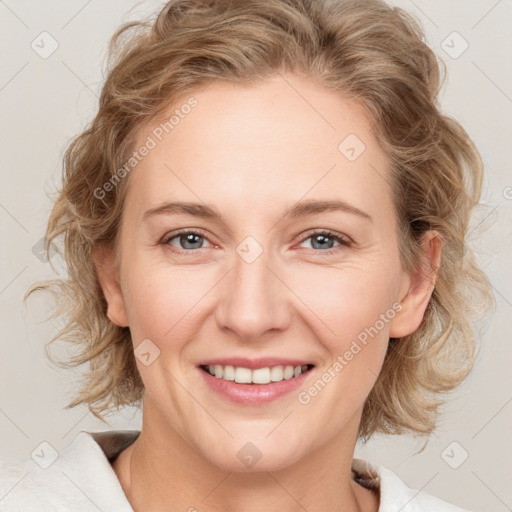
(299, 210)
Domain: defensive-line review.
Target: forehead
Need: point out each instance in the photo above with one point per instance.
(280, 140)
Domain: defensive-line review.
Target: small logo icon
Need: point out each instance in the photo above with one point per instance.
(454, 45)
(351, 147)
(249, 249)
(44, 45)
(146, 352)
(40, 253)
(44, 455)
(454, 455)
(249, 455)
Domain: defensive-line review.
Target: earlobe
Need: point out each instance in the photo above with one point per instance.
(106, 270)
(419, 288)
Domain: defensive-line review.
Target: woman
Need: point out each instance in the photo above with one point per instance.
(264, 227)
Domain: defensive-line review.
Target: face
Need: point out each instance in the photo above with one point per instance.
(260, 273)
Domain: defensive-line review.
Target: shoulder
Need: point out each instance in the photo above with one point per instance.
(80, 478)
(26, 486)
(12, 475)
(395, 495)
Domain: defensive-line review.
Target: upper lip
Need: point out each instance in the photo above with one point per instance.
(260, 362)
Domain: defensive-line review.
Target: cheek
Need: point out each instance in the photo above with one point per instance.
(342, 301)
(162, 301)
(352, 314)
(345, 301)
(351, 310)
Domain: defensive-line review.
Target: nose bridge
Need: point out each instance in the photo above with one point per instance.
(254, 299)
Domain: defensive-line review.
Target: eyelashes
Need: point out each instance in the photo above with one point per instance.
(325, 233)
(182, 234)
(190, 236)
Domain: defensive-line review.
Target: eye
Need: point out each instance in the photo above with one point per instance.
(323, 240)
(188, 240)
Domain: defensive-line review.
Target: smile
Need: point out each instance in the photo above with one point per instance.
(264, 375)
(258, 385)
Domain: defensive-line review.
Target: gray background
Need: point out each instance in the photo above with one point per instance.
(45, 101)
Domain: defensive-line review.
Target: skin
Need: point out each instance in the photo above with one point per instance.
(253, 152)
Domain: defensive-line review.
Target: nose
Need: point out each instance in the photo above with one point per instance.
(255, 300)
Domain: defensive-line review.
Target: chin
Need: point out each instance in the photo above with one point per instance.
(253, 457)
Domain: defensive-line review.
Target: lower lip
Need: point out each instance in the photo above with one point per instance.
(253, 394)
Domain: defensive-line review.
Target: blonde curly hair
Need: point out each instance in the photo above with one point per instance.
(365, 50)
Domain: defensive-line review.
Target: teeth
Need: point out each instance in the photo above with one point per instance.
(242, 375)
(261, 376)
(229, 373)
(288, 372)
(265, 375)
(276, 373)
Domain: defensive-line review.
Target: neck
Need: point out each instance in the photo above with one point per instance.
(161, 468)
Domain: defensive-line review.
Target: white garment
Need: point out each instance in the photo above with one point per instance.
(81, 479)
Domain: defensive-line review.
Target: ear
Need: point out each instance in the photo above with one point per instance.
(417, 288)
(107, 271)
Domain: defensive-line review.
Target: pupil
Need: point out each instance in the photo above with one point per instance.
(322, 239)
(190, 239)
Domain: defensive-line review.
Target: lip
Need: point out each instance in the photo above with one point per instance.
(253, 394)
(253, 364)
